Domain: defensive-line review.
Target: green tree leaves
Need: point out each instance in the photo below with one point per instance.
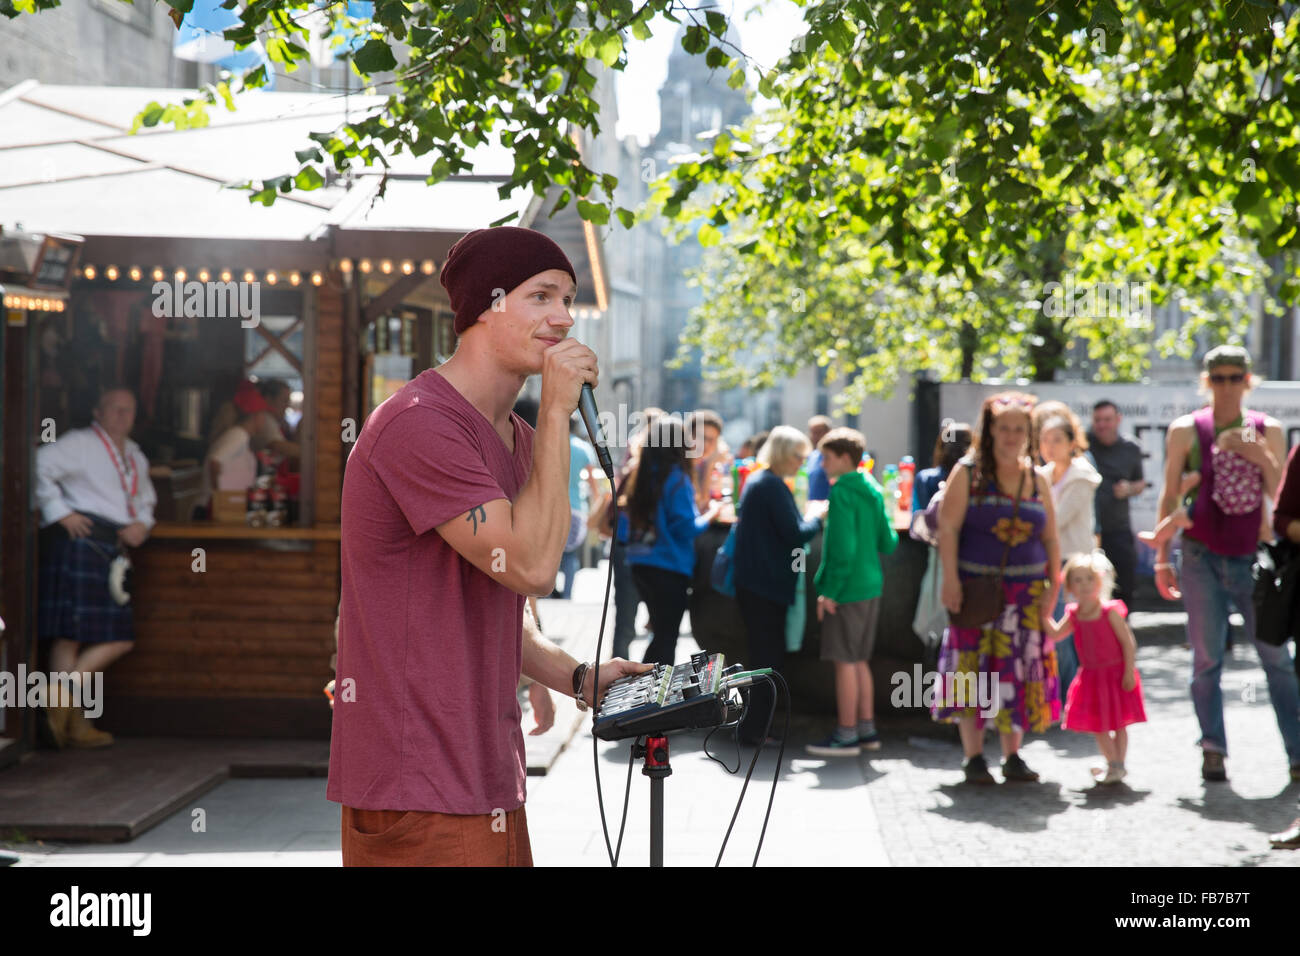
(375, 56)
(928, 167)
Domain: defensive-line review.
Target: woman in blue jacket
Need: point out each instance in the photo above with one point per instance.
(664, 523)
(770, 554)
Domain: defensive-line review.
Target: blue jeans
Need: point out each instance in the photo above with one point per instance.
(626, 601)
(569, 565)
(1208, 582)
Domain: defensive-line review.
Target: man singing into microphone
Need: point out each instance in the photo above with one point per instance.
(454, 509)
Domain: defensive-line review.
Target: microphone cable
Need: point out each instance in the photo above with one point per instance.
(767, 675)
(591, 419)
(595, 693)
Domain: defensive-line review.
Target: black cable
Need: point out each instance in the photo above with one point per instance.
(736, 736)
(627, 793)
(595, 684)
(776, 774)
(758, 749)
(735, 725)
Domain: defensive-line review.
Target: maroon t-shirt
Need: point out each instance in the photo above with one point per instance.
(432, 644)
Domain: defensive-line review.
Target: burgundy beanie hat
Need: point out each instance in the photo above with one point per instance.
(502, 258)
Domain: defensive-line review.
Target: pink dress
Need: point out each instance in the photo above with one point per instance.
(1097, 701)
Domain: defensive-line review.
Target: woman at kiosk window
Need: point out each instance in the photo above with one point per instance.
(231, 464)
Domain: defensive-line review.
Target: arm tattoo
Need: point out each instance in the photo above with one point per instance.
(476, 515)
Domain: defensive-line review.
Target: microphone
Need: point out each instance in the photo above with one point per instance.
(587, 409)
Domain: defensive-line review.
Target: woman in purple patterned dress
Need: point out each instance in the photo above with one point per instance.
(1003, 673)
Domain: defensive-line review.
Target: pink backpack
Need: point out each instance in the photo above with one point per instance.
(1237, 486)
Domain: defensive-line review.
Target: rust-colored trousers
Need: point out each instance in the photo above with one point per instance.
(419, 838)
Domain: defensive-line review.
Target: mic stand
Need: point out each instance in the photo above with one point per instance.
(656, 767)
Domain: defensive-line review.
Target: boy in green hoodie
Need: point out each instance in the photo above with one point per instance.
(849, 584)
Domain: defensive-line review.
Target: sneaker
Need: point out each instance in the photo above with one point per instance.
(1112, 775)
(977, 771)
(832, 746)
(1287, 839)
(870, 742)
(1212, 767)
(1013, 768)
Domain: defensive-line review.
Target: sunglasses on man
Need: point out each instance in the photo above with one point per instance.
(1236, 378)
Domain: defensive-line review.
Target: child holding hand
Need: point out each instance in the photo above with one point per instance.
(1106, 693)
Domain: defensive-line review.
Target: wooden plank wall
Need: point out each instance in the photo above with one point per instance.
(258, 623)
(255, 623)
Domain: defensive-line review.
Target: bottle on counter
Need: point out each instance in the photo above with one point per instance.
(906, 477)
(744, 470)
(277, 514)
(889, 481)
(259, 503)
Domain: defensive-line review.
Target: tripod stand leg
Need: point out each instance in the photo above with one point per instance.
(656, 821)
(655, 752)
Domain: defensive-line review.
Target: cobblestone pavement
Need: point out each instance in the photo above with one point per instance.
(906, 804)
(903, 805)
(1162, 814)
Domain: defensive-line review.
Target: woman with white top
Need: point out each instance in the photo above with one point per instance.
(1074, 481)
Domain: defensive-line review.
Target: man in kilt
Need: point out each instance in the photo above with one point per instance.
(96, 500)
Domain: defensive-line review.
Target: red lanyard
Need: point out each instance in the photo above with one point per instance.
(122, 469)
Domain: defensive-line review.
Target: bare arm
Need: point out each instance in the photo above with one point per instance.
(1050, 542)
(548, 665)
(521, 543)
(531, 626)
(1275, 454)
(952, 515)
(1057, 630)
(1178, 444)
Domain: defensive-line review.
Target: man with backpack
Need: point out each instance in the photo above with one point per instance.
(1238, 454)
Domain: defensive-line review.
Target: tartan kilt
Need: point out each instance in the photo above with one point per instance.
(74, 601)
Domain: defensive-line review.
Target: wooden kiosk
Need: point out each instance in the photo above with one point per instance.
(234, 623)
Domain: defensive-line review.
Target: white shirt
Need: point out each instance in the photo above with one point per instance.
(78, 474)
(238, 463)
(1073, 499)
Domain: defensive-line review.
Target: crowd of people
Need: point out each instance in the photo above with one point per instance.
(1027, 506)
(428, 771)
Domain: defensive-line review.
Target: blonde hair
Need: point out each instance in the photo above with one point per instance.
(1096, 562)
(783, 443)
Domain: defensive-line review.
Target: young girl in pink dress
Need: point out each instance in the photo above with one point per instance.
(1106, 694)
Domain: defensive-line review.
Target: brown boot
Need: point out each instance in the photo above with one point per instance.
(58, 718)
(59, 714)
(82, 733)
